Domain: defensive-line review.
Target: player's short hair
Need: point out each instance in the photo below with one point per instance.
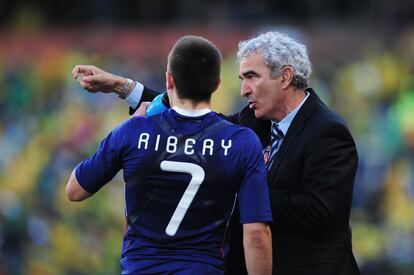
(194, 63)
(280, 50)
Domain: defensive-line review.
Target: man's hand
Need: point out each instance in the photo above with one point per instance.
(94, 79)
(142, 109)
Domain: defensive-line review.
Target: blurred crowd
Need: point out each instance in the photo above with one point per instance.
(48, 124)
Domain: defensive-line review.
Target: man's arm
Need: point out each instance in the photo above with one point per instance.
(257, 241)
(254, 216)
(74, 190)
(138, 97)
(94, 172)
(94, 79)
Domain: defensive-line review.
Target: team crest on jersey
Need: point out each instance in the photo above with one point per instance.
(266, 152)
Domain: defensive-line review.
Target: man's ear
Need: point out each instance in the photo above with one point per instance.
(169, 81)
(286, 76)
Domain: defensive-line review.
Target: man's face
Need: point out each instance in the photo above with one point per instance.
(262, 92)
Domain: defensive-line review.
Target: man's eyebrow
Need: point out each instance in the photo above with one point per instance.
(249, 72)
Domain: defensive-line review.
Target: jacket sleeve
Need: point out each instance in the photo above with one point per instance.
(147, 95)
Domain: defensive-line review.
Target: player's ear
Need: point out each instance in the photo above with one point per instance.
(169, 80)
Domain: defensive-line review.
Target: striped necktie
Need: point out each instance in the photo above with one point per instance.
(276, 136)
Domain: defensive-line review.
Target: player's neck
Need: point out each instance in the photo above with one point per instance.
(190, 105)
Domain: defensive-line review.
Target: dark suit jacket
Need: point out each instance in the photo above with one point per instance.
(311, 184)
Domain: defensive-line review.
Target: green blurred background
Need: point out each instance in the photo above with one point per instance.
(363, 67)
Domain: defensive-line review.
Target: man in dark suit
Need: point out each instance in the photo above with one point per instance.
(309, 151)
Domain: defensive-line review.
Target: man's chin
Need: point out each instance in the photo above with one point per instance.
(258, 114)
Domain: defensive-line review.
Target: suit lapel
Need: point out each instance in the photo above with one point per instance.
(295, 128)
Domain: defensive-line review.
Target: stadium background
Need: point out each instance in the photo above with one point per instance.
(363, 67)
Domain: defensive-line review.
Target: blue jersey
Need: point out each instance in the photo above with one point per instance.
(183, 176)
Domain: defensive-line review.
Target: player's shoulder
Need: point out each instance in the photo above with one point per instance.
(139, 120)
(131, 125)
(238, 131)
(231, 125)
(136, 119)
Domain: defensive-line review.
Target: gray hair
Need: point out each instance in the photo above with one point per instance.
(279, 50)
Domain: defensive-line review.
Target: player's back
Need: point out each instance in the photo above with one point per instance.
(182, 175)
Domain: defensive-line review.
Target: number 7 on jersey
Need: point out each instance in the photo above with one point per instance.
(197, 177)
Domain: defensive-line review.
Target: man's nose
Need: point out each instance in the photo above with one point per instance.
(244, 89)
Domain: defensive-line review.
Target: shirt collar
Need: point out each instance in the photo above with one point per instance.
(191, 113)
(284, 124)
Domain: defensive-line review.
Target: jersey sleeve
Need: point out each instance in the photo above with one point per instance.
(253, 195)
(99, 169)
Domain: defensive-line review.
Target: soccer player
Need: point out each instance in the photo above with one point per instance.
(184, 171)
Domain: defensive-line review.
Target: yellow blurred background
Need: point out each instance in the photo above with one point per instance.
(363, 68)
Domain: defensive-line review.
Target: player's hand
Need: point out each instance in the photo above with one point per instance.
(141, 111)
(94, 79)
